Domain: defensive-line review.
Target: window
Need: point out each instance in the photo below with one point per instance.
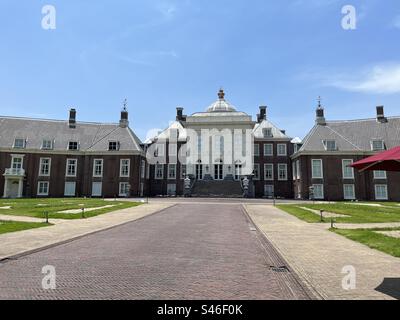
(183, 171)
(268, 171)
(298, 170)
(142, 169)
(379, 174)
(294, 170)
(124, 189)
(44, 167)
(349, 192)
(47, 145)
(377, 145)
(348, 171)
(16, 164)
(19, 143)
(381, 192)
(113, 146)
(256, 171)
(148, 172)
(159, 171)
(318, 191)
(172, 150)
(159, 150)
(71, 167)
(330, 145)
(98, 168)
(282, 172)
(268, 149)
(97, 189)
(73, 145)
(256, 150)
(269, 191)
(172, 171)
(267, 133)
(69, 189)
(282, 150)
(124, 168)
(317, 172)
(43, 188)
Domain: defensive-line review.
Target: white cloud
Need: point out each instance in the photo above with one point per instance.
(381, 79)
(396, 22)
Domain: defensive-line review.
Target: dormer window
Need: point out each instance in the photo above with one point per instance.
(378, 145)
(113, 146)
(267, 133)
(47, 145)
(330, 145)
(73, 145)
(19, 143)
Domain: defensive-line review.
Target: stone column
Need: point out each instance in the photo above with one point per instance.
(20, 188)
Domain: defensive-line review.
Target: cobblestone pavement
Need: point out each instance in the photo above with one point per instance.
(319, 256)
(189, 251)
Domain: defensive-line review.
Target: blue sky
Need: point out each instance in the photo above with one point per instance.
(160, 54)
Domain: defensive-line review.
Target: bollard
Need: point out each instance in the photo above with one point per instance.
(83, 213)
(46, 215)
(322, 215)
(332, 223)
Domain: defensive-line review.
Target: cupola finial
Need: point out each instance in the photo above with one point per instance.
(221, 94)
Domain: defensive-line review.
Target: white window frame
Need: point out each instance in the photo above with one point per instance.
(271, 166)
(43, 193)
(280, 154)
(19, 147)
(272, 150)
(69, 183)
(257, 178)
(377, 140)
(256, 150)
(77, 145)
(112, 142)
(313, 175)
(298, 172)
(376, 192)
(280, 165)
(156, 167)
(122, 194)
(67, 165)
(353, 189)
(171, 165)
(95, 175)
(45, 146)
(377, 177)
(344, 167)
(322, 189)
(325, 143)
(41, 165)
(142, 169)
(122, 174)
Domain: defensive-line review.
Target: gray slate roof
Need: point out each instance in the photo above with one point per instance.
(93, 137)
(353, 135)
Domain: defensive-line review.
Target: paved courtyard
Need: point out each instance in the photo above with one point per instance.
(190, 251)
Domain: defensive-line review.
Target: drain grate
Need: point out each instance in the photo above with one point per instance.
(282, 269)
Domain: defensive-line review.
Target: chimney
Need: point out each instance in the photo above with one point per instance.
(179, 114)
(380, 114)
(72, 118)
(124, 121)
(263, 113)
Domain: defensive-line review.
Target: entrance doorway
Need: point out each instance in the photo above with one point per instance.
(218, 172)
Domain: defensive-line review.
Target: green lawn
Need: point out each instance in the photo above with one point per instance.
(37, 207)
(13, 226)
(373, 240)
(356, 213)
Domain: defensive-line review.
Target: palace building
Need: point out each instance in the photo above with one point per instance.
(219, 152)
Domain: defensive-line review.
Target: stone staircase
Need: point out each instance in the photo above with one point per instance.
(212, 188)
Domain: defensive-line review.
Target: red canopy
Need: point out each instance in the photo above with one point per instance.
(388, 161)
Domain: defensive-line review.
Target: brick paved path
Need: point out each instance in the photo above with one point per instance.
(191, 251)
